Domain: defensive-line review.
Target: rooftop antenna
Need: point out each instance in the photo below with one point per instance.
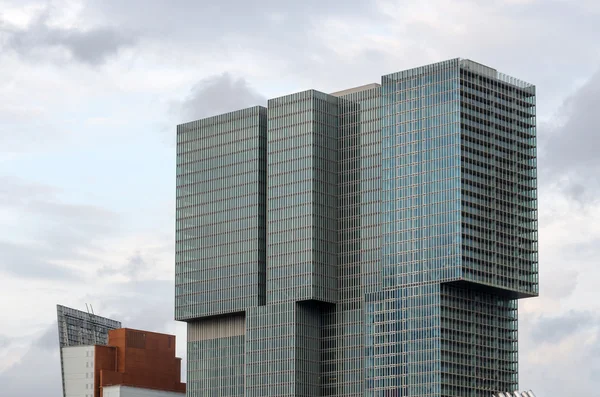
(92, 307)
(87, 308)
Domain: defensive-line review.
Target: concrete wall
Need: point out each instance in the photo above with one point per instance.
(124, 391)
(78, 367)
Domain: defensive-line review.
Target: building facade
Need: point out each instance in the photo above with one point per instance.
(369, 242)
(138, 359)
(79, 331)
(132, 363)
(126, 391)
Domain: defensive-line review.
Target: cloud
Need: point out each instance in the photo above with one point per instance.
(92, 46)
(134, 269)
(143, 304)
(53, 232)
(228, 16)
(40, 361)
(569, 145)
(269, 39)
(216, 95)
(560, 354)
(49, 339)
(12, 190)
(578, 192)
(27, 261)
(555, 329)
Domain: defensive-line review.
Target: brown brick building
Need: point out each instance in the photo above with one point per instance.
(139, 359)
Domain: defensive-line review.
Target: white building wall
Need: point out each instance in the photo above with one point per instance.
(125, 391)
(78, 368)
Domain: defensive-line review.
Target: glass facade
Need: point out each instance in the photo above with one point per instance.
(216, 356)
(220, 254)
(395, 228)
(78, 328)
(302, 182)
(499, 181)
(359, 241)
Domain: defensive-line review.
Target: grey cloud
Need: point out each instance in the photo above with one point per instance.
(225, 16)
(40, 360)
(60, 231)
(25, 261)
(138, 303)
(135, 267)
(49, 339)
(93, 46)
(577, 192)
(555, 329)
(81, 212)
(41, 199)
(569, 148)
(561, 284)
(584, 254)
(294, 38)
(549, 371)
(13, 190)
(147, 305)
(287, 34)
(216, 95)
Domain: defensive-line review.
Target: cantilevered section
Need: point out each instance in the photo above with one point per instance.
(487, 71)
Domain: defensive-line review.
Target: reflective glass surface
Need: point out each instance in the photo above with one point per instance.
(372, 242)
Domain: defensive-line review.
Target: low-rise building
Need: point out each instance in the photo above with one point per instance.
(121, 363)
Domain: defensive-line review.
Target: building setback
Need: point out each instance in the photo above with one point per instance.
(373, 241)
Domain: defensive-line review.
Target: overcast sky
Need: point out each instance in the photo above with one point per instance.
(91, 91)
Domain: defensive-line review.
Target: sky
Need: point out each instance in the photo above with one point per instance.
(91, 92)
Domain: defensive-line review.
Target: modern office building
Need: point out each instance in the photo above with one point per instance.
(133, 363)
(369, 242)
(77, 328)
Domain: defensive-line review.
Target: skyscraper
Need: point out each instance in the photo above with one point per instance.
(369, 242)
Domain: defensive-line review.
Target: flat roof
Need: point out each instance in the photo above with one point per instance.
(355, 89)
